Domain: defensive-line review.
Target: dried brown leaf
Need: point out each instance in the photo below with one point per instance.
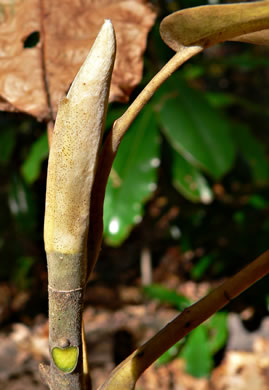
(242, 370)
(33, 80)
(208, 25)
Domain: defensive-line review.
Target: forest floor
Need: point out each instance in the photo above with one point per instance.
(117, 320)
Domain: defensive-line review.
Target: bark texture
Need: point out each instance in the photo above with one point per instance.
(71, 171)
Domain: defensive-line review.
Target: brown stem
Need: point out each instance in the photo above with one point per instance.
(123, 123)
(126, 374)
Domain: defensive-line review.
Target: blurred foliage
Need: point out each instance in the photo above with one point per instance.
(22, 200)
(192, 173)
(133, 178)
(202, 139)
(165, 295)
(207, 124)
(38, 153)
(200, 346)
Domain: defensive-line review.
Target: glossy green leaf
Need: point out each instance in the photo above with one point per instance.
(38, 153)
(218, 331)
(195, 129)
(188, 180)
(133, 178)
(253, 153)
(166, 295)
(7, 144)
(197, 354)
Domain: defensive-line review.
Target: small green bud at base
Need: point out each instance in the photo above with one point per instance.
(65, 359)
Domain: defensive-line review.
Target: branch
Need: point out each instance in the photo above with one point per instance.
(124, 376)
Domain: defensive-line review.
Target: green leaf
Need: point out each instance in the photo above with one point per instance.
(7, 144)
(218, 331)
(166, 295)
(253, 153)
(219, 99)
(194, 129)
(202, 265)
(258, 202)
(197, 354)
(193, 71)
(189, 181)
(247, 60)
(170, 354)
(38, 153)
(133, 178)
(22, 269)
(114, 112)
(239, 217)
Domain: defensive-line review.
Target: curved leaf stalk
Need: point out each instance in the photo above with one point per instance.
(72, 166)
(188, 32)
(112, 143)
(125, 376)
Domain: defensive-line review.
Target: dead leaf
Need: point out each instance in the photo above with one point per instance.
(239, 371)
(34, 79)
(171, 375)
(207, 25)
(244, 370)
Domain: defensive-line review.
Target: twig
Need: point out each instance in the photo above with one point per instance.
(124, 376)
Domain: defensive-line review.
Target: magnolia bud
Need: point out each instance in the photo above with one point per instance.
(75, 146)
